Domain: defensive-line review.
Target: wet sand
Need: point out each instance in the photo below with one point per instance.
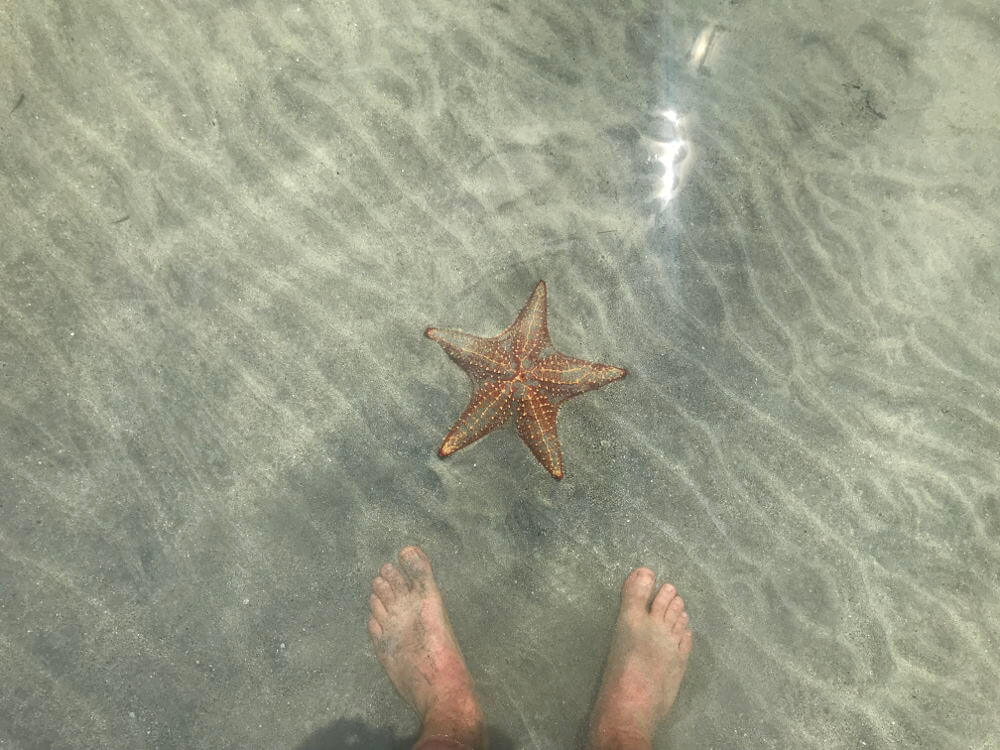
(226, 227)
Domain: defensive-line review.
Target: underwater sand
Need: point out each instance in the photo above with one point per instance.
(225, 227)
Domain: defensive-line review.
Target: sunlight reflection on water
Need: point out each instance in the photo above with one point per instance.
(674, 154)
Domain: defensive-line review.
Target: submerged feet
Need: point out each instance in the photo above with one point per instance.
(649, 652)
(416, 646)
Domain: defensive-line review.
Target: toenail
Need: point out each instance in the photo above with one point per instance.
(644, 574)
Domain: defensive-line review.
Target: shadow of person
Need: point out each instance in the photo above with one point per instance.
(354, 734)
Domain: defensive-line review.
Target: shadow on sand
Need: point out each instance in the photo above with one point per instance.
(354, 734)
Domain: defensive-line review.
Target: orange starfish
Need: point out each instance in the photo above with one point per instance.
(519, 372)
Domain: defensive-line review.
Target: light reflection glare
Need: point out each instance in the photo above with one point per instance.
(703, 46)
(673, 154)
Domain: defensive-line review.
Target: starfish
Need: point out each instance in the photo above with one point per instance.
(519, 373)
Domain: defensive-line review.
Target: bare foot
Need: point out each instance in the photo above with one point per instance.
(648, 655)
(416, 646)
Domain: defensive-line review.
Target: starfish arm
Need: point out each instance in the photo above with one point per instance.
(530, 331)
(489, 408)
(562, 377)
(483, 359)
(536, 424)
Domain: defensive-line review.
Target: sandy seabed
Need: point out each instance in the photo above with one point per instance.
(225, 227)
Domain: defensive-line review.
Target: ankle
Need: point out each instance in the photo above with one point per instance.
(611, 737)
(457, 719)
(466, 740)
(437, 742)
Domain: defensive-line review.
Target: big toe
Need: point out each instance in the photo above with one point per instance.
(416, 564)
(637, 590)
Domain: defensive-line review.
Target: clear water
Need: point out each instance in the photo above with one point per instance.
(226, 226)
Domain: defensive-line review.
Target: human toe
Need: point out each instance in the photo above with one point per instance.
(662, 600)
(379, 612)
(637, 589)
(681, 625)
(384, 591)
(416, 564)
(395, 578)
(674, 611)
(684, 645)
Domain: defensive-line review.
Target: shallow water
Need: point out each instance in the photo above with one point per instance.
(226, 227)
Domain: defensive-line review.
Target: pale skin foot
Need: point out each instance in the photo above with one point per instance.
(416, 646)
(649, 652)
